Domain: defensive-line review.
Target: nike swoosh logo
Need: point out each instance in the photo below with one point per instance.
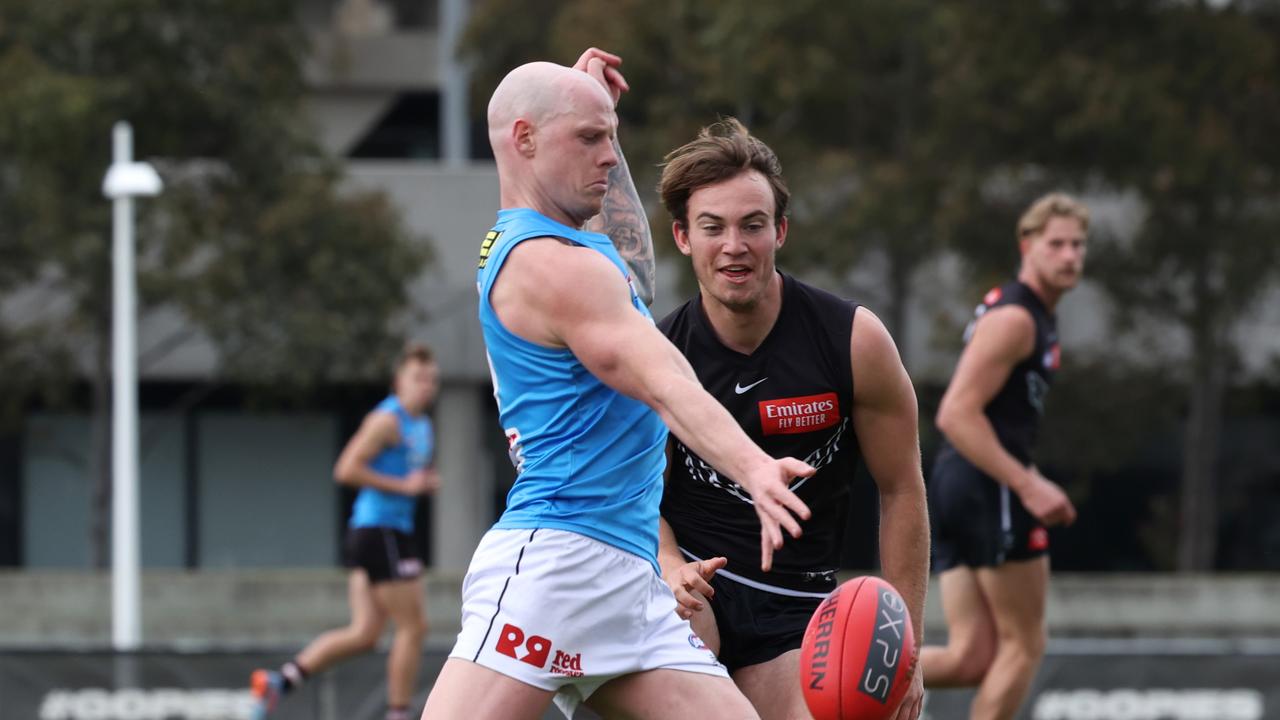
(739, 389)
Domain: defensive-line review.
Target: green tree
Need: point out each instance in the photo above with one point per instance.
(1176, 105)
(839, 90)
(253, 243)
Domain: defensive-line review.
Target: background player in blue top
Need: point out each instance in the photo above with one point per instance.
(988, 502)
(390, 460)
(562, 598)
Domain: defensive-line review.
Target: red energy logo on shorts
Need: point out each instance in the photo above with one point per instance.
(789, 416)
(1038, 539)
(569, 664)
(512, 643)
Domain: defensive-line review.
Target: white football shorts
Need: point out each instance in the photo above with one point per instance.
(566, 613)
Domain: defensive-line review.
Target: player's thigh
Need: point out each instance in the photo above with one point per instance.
(665, 694)
(402, 601)
(970, 620)
(467, 690)
(367, 614)
(773, 687)
(1016, 594)
(704, 625)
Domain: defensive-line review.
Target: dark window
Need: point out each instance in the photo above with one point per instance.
(408, 130)
(480, 148)
(415, 14)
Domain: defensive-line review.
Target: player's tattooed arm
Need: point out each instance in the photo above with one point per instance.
(622, 218)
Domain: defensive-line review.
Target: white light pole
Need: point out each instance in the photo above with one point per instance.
(453, 79)
(125, 180)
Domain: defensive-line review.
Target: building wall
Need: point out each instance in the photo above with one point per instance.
(262, 486)
(222, 609)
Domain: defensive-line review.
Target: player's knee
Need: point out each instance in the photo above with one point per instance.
(1035, 643)
(1025, 650)
(973, 657)
(959, 663)
(365, 637)
(414, 627)
(970, 670)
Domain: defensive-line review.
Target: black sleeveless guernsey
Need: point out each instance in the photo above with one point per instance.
(793, 396)
(1016, 410)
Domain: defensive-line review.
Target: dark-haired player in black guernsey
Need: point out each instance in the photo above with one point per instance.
(807, 375)
(989, 504)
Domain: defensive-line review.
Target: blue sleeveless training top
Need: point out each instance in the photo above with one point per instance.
(588, 459)
(375, 508)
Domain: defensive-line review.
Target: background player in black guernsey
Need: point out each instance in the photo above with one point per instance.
(990, 505)
(807, 375)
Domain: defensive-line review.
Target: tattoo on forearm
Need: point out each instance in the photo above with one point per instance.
(622, 218)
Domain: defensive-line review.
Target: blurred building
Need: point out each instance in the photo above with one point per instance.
(225, 486)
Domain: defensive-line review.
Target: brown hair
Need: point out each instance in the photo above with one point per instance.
(414, 352)
(1057, 204)
(722, 151)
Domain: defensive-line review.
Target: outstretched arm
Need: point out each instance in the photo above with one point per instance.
(563, 295)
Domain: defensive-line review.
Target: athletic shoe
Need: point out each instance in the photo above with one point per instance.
(265, 686)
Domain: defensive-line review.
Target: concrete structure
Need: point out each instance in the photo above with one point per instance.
(270, 609)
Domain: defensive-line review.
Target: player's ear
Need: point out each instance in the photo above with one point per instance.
(522, 137)
(681, 235)
(1024, 243)
(782, 234)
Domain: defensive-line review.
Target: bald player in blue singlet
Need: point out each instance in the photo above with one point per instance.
(577, 472)
(563, 598)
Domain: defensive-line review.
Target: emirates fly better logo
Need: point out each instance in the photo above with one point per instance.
(789, 416)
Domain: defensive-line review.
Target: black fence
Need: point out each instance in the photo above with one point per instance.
(1080, 680)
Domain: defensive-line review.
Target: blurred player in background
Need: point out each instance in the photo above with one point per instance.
(990, 505)
(806, 374)
(563, 597)
(390, 460)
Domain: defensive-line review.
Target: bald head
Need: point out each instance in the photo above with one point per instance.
(538, 92)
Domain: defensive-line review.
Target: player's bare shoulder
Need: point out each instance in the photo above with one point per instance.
(874, 354)
(871, 341)
(549, 282)
(557, 274)
(1007, 331)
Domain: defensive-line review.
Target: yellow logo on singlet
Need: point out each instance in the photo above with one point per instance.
(487, 246)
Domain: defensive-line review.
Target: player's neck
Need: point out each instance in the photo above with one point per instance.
(514, 195)
(1048, 295)
(413, 410)
(743, 329)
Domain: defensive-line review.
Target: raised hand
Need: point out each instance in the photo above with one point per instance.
(603, 66)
